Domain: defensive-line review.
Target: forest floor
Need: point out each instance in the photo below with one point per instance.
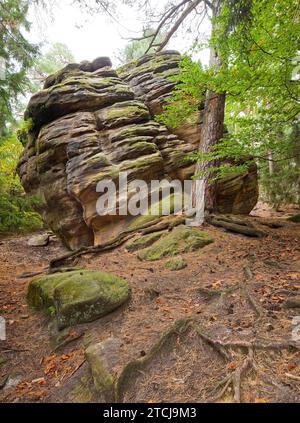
(211, 289)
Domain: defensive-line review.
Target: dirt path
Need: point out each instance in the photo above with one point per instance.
(159, 298)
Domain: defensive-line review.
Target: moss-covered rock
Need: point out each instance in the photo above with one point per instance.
(79, 296)
(122, 113)
(143, 241)
(182, 239)
(177, 263)
(102, 358)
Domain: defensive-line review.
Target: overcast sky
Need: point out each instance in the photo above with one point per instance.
(89, 36)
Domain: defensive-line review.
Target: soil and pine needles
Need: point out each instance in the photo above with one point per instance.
(236, 345)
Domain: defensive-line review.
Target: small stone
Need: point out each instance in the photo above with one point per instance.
(39, 240)
(12, 382)
(190, 213)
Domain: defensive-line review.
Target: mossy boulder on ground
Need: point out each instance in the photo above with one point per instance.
(182, 239)
(102, 358)
(78, 297)
(176, 263)
(143, 241)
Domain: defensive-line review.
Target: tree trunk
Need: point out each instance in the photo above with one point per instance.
(204, 192)
(270, 163)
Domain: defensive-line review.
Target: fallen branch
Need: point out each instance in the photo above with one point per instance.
(12, 350)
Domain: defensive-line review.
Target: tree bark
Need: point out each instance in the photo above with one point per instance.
(204, 192)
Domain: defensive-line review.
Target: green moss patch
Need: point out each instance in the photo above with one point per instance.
(177, 263)
(143, 241)
(182, 239)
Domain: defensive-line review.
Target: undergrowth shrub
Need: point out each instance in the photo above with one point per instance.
(16, 208)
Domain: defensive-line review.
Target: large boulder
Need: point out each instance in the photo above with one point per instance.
(77, 297)
(90, 123)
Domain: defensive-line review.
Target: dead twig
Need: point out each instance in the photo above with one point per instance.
(77, 368)
(9, 350)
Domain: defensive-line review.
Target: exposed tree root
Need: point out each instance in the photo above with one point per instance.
(211, 294)
(117, 241)
(229, 224)
(270, 223)
(233, 219)
(238, 374)
(255, 344)
(164, 225)
(244, 287)
(248, 363)
(225, 349)
(110, 245)
(225, 383)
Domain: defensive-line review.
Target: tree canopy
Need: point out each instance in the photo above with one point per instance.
(259, 48)
(17, 55)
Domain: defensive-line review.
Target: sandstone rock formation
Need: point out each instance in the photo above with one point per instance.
(89, 123)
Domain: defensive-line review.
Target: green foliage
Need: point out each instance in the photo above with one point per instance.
(188, 95)
(22, 132)
(16, 209)
(137, 48)
(16, 57)
(258, 43)
(280, 181)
